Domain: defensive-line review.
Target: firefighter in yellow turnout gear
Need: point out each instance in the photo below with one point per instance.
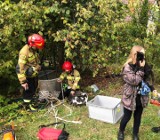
(73, 78)
(28, 67)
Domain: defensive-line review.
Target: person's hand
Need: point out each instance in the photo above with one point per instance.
(25, 86)
(72, 92)
(37, 68)
(59, 80)
(142, 63)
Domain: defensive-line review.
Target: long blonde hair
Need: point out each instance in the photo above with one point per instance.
(132, 54)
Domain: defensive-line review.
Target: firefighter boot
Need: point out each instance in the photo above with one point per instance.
(30, 107)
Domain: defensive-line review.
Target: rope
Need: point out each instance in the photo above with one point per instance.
(54, 111)
(53, 108)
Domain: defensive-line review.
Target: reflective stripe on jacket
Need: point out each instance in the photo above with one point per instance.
(72, 79)
(28, 57)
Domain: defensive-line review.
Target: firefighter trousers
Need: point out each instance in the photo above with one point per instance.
(32, 86)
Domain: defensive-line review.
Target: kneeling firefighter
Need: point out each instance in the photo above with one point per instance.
(72, 76)
(28, 67)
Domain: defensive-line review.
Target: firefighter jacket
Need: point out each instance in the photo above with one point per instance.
(28, 60)
(72, 79)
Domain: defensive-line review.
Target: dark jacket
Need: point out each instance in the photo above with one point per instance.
(149, 76)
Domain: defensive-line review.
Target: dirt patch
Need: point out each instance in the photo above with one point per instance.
(110, 84)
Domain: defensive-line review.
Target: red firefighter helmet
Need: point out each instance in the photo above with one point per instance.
(36, 40)
(67, 66)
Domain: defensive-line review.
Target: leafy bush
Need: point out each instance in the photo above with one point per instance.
(8, 111)
(94, 34)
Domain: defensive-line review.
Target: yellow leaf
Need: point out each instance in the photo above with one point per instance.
(76, 42)
(72, 46)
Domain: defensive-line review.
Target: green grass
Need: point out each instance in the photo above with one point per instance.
(27, 125)
(90, 129)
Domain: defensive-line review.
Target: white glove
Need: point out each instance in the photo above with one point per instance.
(72, 92)
(59, 80)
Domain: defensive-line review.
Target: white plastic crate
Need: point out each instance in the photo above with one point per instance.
(105, 108)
